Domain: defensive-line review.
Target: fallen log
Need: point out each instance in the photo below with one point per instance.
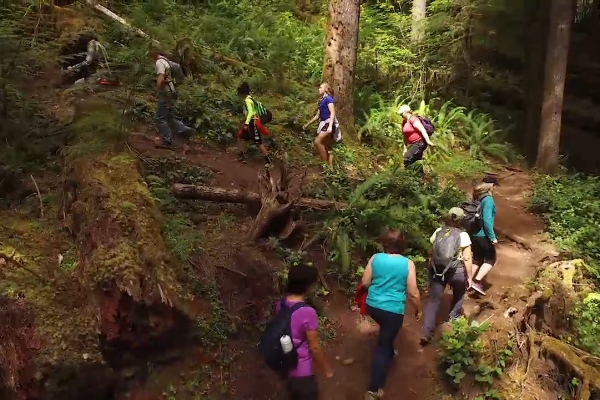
(209, 193)
(280, 199)
(124, 265)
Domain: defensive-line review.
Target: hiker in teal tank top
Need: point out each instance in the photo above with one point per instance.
(389, 277)
(388, 287)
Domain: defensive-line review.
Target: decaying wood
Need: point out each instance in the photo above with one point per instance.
(209, 193)
(280, 198)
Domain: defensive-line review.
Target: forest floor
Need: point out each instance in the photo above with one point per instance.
(413, 374)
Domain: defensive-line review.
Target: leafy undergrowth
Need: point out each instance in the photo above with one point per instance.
(570, 205)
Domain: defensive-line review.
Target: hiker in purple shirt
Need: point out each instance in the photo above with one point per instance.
(301, 382)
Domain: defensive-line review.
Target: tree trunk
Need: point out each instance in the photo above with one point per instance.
(419, 12)
(341, 44)
(209, 193)
(534, 79)
(561, 18)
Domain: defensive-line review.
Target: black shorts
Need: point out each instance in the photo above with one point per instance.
(484, 251)
(303, 388)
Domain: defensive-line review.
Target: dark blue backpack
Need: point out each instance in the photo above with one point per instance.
(428, 125)
(270, 344)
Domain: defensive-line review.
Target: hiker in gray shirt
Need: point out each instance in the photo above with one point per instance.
(94, 53)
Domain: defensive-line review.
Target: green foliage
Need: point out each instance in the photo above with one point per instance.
(570, 206)
(393, 199)
(586, 323)
(461, 347)
(462, 353)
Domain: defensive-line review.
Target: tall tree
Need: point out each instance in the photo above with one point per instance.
(557, 51)
(341, 42)
(536, 31)
(419, 12)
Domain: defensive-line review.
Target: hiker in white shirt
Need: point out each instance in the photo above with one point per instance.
(167, 96)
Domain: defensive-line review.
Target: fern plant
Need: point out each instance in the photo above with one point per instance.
(481, 138)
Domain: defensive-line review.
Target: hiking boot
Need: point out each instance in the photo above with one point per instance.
(241, 156)
(478, 288)
(374, 395)
(424, 341)
(188, 132)
(268, 162)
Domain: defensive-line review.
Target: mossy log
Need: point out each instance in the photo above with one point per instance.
(574, 360)
(17, 345)
(124, 264)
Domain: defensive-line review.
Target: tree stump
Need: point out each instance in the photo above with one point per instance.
(277, 198)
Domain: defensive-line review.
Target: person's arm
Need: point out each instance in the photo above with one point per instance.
(488, 218)
(413, 289)
(416, 123)
(467, 256)
(331, 108)
(368, 274)
(249, 110)
(91, 52)
(317, 352)
(313, 119)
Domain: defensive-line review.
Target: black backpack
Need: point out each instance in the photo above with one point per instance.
(270, 344)
(473, 220)
(428, 125)
(446, 247)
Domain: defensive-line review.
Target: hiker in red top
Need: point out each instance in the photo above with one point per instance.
(415, 136)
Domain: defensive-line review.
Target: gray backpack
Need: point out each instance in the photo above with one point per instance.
(446, 246)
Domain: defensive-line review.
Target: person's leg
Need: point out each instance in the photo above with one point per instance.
(489, 259)
(303, 388)
(459, 287)
(257, 137)
(328, 143)
(413, 154)
(320, 146)
(389, 326)
(436, 291)
(180, 127)
(162, 120)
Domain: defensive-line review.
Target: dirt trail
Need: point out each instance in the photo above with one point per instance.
(412, 375)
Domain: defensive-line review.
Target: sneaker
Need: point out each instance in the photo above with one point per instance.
(241, 156)
(188, 132)
(478, 288)
(374, 395)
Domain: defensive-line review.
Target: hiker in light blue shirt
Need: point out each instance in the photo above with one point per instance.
(389, 276)
(484, 241)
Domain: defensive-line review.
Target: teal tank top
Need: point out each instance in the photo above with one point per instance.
(388, 286)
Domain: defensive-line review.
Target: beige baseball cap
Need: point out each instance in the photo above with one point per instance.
(456, 213)
(403, 109)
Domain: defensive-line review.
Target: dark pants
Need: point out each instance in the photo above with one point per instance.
(84, 72)
(389, 326)
(415, 153)
(458, 283)
(303, 388)
(166, 114)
